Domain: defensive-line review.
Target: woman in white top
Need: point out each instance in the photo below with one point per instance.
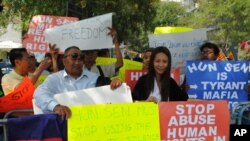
(157, 85)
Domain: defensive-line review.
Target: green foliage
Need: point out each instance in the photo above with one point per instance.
(167, 13)
(133, 19)
(15, 10)
(228, 18)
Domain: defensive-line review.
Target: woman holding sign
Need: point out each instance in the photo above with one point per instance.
(157, 85)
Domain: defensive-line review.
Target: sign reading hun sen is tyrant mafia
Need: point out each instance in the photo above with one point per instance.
(218, 80)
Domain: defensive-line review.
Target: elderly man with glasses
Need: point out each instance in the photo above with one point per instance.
(72, 78)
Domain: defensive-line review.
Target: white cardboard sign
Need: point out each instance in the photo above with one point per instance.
(86, 34)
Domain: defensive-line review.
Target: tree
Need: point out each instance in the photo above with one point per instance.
(133, 19)
(167, 13)
(21, 11)
(228, 20)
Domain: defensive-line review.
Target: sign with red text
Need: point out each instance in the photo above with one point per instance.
(87, 34)
(132, 76)
(34, 40)
(194, 121)
(21, 98)
(175, 74)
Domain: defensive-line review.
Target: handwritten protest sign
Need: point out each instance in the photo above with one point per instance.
(20, 98)
(34, 40)
(194, 121)
(86, 34)
(183, 46)
(116, 122)
(218, 80)
(97, 95)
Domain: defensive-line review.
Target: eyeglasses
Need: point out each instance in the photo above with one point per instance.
(206, 52)
(75, 56)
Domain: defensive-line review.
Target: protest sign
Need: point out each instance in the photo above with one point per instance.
(171, 29)
(21, 98)
(183, 45)
(218, 80)
(132, 76)
(97, 95)
(116, 122)
(194, 121)
(34, 40)
(86, 34)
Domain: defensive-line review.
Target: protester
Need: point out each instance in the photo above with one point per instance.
(146, 59)
(210, 52)
(104, 70)
(72, 78)
(32, 63)
(157, 85)
(104, 53)
(56, 59)
(19, 59)
(138, 58)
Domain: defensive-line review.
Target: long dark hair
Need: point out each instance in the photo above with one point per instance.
(165, 78)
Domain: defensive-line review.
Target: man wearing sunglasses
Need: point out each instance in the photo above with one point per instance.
(72, 78)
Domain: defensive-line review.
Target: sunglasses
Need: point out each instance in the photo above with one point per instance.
(75, 56)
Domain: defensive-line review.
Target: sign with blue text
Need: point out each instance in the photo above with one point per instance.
(183, 46)
(218, 80)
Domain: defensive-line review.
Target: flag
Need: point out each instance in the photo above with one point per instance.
(221, 56)
(230, 56)
(43, 127)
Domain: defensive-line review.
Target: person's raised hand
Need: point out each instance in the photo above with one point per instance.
(53, 51)
(113, 34)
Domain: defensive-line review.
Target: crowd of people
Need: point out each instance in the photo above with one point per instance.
(76, 69)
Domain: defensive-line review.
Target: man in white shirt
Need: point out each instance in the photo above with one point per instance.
(72, 78)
